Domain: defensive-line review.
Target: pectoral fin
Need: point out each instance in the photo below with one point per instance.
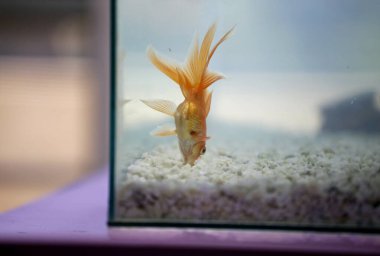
(204, 138)
(163, 131)
(163, 106)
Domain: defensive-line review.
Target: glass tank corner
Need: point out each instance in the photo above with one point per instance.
(246, 114)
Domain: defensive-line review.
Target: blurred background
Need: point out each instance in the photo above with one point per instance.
(53, 95)
(54, 74)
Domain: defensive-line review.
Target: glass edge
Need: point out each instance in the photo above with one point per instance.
(241, 226)
(112, 113)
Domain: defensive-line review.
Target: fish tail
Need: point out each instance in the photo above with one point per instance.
(199, 59)
(194, 76)
(166, 66)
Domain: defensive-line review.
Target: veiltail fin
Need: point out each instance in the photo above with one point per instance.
(210, 77)
(199, 59)
(194, 76)
(167, 67)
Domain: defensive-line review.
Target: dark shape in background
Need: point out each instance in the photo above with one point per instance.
(359, 113)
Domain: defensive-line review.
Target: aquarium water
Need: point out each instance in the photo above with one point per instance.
(294, 127)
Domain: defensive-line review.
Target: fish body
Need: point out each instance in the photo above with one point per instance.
(193, 79)
(190, 121)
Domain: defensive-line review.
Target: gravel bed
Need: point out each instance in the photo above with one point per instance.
(327, 180)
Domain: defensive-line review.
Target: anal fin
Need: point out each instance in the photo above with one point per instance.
(164, 130)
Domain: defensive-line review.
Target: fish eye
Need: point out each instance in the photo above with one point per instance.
(203, 150)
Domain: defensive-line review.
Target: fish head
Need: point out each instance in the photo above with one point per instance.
(191, 151)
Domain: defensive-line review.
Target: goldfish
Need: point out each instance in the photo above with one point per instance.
(193, 78)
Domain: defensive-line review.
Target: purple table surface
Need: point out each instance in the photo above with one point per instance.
(77, 215)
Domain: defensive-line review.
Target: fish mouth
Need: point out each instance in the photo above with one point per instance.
(191, 150)
(192, 163)
(186, 148)
(197, 150)
(189, 159)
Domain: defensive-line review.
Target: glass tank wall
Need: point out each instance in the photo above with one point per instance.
(291, 135)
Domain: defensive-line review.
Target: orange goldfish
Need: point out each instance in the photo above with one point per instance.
(193, 79)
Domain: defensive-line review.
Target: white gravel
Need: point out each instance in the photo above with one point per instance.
(328, 180)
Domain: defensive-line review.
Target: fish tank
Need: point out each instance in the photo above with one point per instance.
(246, 114)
